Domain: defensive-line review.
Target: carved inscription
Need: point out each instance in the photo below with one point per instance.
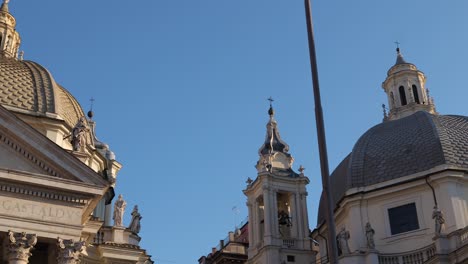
(39, 211)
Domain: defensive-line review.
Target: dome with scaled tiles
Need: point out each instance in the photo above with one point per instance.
(412, 139)
(28, 88)
(398, 148)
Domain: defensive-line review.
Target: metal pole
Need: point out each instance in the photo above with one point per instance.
(332, 248)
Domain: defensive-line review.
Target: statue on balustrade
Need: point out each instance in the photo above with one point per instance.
(119, 209)
(135, 223)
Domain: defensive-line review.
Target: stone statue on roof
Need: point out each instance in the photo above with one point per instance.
(135, 223)
(78, 134)
(119, 209)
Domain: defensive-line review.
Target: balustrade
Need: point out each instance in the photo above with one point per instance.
(416, 257)
(289, 243)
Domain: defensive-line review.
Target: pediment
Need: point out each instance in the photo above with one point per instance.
(19, 158)
(24, 149)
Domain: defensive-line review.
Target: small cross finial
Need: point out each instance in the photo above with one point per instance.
(90, 112)
(271, 100)
(271, 112)
(397, 46)
(92, 103)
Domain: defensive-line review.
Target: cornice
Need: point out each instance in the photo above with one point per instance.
(43, 193)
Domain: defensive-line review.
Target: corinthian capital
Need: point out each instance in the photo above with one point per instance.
(69, 251)
(20, 245)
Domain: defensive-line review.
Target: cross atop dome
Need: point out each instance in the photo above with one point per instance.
(271, 111)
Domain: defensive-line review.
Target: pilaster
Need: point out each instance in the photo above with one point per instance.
(305, 216)
(251, 230)
(296, 214)
(268, 212)
(274, 217)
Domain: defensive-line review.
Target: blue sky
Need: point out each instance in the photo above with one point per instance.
(181, 89)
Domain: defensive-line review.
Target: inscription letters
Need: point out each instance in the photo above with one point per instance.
(40, 211)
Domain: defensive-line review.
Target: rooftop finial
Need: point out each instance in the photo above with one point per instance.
(90, 112)
(385, 115)
(397, 46)
(5, 5)
(271, 112)
(400, 59)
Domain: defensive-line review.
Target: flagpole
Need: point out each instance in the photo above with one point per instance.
(332, 248)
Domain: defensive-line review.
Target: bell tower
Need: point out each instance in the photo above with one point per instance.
(9, 38)
(276, 199)
(405, 89)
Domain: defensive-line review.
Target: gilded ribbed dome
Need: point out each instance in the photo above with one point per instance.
(28, 88)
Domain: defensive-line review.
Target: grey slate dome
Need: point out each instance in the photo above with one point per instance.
(399, 148)
(27, 87)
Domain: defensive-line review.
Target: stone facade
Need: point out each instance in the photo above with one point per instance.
(56, 179)
(400, 196)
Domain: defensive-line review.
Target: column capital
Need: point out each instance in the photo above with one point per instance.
(20, 245)
(69, 251)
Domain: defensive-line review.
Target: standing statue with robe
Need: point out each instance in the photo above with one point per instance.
(370, 236)
(119, 209)
(438, 217)
(342, 239)
(135, 223)
(79, 134)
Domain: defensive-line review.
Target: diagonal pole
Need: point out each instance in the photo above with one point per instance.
(332, 248)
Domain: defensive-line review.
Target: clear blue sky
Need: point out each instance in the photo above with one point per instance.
(181, 89)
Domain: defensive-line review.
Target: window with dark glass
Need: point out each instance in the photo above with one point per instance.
(402, 95)
(403, 218)
(415, 94)
(291, 258)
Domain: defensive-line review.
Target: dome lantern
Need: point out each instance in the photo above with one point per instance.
(405, 89)
(9, 38)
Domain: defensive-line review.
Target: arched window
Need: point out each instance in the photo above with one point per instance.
(402, 95)
(415, 94)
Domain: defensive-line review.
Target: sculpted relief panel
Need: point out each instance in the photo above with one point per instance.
(39, 211)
